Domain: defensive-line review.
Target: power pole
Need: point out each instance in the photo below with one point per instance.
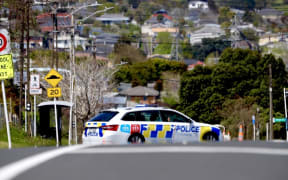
(271, 104)
(22, 50)
(28, 53)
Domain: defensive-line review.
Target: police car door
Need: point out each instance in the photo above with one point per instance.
(183, 128)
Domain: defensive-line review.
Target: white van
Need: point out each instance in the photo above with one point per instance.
(146, 124)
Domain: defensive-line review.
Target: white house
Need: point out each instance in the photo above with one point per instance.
(64, 41)
(207, 31)
(198, 5)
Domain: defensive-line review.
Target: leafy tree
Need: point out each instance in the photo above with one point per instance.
(225, 15)
(208, 45)
(141, 73)
(250, 35)
(239, 74)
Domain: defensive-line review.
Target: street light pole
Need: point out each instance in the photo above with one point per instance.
(72, 58)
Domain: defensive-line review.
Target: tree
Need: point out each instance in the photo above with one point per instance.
(225, 15)
(239, 74)
(143, 72)
(93, 78)
(250, 35)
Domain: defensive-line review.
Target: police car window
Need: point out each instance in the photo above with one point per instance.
(151, 116)
(170, 116)
(129, 116)
(104, 116)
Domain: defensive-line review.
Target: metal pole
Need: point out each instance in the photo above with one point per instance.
(75, 120)
(35, 116)
(254, 132)
(56, 123)
(6, 114)
(71, 78)
(285, 106)
(267, 131)
(25, 108)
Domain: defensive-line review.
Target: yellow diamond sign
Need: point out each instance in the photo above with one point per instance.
(53, 77)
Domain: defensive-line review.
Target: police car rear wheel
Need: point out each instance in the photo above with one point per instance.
(136, 139)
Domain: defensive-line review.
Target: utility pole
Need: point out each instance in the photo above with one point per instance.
(22, 50)
(28, 5)
(271, 104)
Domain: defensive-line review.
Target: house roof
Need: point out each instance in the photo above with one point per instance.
(139, 91)
(112, 17)
(270, 12)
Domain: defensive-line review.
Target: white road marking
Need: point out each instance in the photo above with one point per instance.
(12, 170)
(183, 149)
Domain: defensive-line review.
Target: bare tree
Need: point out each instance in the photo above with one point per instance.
(93, 79)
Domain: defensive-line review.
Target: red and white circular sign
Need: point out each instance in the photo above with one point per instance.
(3, 42)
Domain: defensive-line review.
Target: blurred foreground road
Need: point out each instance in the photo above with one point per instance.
(233, 161)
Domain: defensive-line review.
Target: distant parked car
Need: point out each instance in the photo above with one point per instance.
(147, 124)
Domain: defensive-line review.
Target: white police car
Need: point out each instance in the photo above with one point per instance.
(146, 124)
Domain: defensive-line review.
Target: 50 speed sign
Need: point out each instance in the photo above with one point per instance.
(4, 42)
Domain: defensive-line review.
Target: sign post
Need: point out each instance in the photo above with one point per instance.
(6, 72)
(53, 78)
(34, 90)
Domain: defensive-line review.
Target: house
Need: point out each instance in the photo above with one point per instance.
(113, 19)
(166, 19)
(244, 44)
(113, 99)
(103, 44)
(192, 66)
(270, 14)
(207, 31)
(271, 38)
(153, 30)
(198, 5)
(45, 21)
(64, 41)
(140, 95)
(193, 15)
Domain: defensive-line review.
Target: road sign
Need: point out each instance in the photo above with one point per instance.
(253, 119)
(53, 77)
(4, 42)
(35, 91)
(53, 92)
(275, 120)
(34, 81)
(6, 67)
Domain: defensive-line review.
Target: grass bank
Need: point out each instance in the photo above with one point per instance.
(21, 139)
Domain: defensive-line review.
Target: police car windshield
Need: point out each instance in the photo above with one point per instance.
(104, 116)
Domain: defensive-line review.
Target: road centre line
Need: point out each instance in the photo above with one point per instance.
(12, 170)
(183, 149)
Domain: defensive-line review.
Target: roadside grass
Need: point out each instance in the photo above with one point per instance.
(21, 139)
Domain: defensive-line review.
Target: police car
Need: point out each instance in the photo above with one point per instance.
(146, 124)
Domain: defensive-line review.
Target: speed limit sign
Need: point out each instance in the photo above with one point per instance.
(4, 42)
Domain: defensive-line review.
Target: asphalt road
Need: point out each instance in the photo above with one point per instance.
(233, 161)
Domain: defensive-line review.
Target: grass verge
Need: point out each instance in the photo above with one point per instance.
(21, 139)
